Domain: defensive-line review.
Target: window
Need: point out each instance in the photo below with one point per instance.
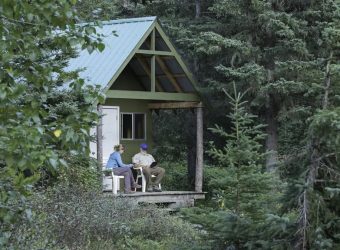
(139, 123)
(133, 126)
(126, 126)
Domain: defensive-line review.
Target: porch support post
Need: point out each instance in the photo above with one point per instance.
(100, 136)
(199, 152)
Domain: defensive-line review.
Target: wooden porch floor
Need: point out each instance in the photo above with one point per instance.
(170, 199)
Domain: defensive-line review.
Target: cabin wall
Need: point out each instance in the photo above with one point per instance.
(127, 80)
(133, 106)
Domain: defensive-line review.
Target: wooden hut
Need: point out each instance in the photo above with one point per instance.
(139, 71)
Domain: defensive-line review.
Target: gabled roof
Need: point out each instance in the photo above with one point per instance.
(129, 44)
(100, 67)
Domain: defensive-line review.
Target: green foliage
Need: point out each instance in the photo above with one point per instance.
(176, 176)
(82, 173)
(243, 192)
(243, 158)
(169, 136)
(69, 218)
(325, 124)
(101, 10)
(285, 53)
(38, 37)
(320, 190)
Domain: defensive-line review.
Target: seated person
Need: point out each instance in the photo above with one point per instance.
(119, 168)
(150, 167)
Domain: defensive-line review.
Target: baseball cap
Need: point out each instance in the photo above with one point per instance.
(144, 146)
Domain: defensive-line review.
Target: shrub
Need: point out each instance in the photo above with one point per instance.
(66, 218)
(176, 176)
(82, 173)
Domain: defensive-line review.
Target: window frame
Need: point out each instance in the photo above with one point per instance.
(133, 126)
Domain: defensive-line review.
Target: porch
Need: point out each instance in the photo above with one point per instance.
(169, 199)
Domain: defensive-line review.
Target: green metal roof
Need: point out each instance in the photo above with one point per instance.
(100, 67)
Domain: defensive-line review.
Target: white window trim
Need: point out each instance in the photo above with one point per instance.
(133, 126)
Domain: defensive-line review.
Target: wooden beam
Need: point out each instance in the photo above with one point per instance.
(153, 73)
(163, 57)
(154, 52)
(100, 137)
(145, 95)
(174, 105)
(174, 75)
(199, 152)
(147, 70)
(153, 40)
(168, 74)
(153, 62)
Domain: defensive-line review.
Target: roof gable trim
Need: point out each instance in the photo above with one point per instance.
(130, 20)
(133, 52)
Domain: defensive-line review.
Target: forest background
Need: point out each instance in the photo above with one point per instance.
(269, 75)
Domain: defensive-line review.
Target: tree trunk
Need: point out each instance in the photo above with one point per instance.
(272, 139)
(100, 137)
(327, 81)
(305, 199)
(312, 172)
(197, 9)
(125, 3)
(271, 129)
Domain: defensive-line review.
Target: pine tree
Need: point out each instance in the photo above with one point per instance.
(318, 175)
(244, 193)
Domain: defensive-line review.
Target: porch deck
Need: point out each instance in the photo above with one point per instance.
(170, 199)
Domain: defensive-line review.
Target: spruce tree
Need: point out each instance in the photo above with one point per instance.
(243, 195)
(314, 182)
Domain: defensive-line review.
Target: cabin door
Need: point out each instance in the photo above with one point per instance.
(110, 132)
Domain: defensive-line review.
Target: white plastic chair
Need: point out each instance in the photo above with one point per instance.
(141, 175)
(115, 181)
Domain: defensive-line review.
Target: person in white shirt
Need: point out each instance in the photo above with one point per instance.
(150, 167)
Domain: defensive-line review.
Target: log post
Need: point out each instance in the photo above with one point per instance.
(100, 136)
(199, 150)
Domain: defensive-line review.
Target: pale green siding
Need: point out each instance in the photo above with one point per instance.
(133, 106)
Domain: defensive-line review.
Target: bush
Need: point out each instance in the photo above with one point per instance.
(82, 173)
(176, 176)
(66, 218)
